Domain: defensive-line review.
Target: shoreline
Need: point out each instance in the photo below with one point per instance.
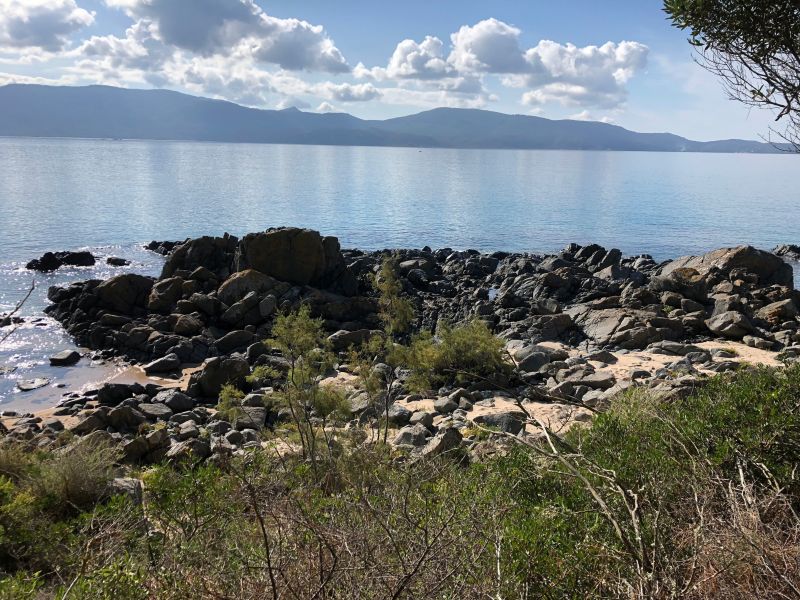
(581, 325)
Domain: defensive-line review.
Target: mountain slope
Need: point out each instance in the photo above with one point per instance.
(109, 112)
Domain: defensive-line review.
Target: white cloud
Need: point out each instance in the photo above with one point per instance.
(489, 46)
(40, 24)
(225, 27)
(424, 60)
(7, 78)
(326, 107)
(585, 115)
(292, 103)
(346, 92)
(434, 98)
(588, 76)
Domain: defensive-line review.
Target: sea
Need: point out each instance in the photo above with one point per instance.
(113, 196)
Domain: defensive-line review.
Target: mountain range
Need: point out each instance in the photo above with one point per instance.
(110, 112)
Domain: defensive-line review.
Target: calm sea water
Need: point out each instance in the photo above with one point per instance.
(110, 196)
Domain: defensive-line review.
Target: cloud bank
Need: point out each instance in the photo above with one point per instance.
(233, 49)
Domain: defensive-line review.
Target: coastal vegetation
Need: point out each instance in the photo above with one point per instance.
(693, 498)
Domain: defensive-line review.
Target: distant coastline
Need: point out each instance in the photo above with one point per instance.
(108, 113)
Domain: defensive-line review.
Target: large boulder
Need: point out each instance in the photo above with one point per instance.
(299, 256)
(165, 294)
(124, 293)
(717, 265)
(240, 284)
(730, 324)
(217, 372)
(214, 253)
(778, 312)
(625, 328)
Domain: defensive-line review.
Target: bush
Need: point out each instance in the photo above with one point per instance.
(694, 498)
(459, 355)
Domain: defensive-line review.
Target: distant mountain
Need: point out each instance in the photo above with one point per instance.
(109, 112)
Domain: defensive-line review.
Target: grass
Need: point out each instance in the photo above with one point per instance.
(696, 498)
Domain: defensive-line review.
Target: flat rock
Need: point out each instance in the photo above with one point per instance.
(170, 362)
(65, 358)
(28, 385)
(155, 412)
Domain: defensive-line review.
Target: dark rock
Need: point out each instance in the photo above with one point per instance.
(251, 417)
(51, 261)
(719, 264)
(116, 261)
(89, 423)
(398, 414)
(299, 256)
(342, 340)
(445, 405)
(65, 358)
(129, 488)
(170, 362)
(446, 440)
(218, 371)
(176, 400)
(508, 422)
(730, 324)
(133, 450)
(124, 418)
(421, 417)
(213, 253)
(240, 284)
(234, 340)
(155, 412)
(411, 435)
(112, 394)
(165, 294)
(124, 293)
(162, 248)
(189, 450)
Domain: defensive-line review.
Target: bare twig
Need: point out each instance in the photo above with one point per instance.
(16, 309)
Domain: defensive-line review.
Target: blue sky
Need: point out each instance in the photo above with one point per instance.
(618, 61)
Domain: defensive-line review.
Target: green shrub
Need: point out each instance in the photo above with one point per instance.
(230, 402)
(459, 355)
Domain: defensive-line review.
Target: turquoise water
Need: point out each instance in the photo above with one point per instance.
(110, 196)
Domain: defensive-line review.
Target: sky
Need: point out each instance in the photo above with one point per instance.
(618, 61)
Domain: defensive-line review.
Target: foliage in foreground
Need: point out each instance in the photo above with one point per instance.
(691, 499)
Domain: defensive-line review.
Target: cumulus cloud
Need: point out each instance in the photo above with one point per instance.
(489, 46)
(214, 27)
(326, 107)
(345, 92)
(588, 76)
(40, 24)
(424, 60)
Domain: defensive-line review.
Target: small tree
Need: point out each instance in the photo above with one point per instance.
(395, 311)
(754, 47)
(397, 316)
(301, 340)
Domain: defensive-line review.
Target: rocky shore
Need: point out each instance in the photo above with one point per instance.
(579, 326)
